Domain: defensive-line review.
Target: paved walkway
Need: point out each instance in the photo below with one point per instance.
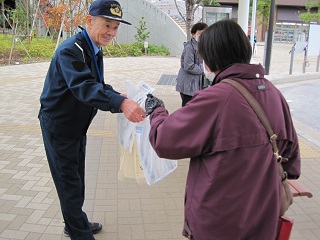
(29, 208)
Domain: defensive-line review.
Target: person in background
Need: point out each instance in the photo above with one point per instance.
(74, 89)
(233, 184)
(190, 75)
(254, 43)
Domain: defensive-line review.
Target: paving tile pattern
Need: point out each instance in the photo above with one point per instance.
(29, 207)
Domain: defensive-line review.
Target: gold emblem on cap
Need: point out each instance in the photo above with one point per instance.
(115, 10)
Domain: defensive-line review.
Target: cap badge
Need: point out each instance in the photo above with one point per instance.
(116, 10)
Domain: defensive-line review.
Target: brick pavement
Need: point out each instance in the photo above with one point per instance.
(29, 208)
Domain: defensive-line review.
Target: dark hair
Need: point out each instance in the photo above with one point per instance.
(224, 43)
(198, 27)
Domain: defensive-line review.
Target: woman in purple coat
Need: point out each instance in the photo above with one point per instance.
(233, 186)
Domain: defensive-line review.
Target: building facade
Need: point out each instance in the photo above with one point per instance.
(288, 26)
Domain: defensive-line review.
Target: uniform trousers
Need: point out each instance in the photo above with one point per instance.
(66, 158)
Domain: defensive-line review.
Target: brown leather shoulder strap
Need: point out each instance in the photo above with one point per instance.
(258, 110)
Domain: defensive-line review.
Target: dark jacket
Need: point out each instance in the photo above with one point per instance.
(233, 186)
(191, 70)
(72, 92)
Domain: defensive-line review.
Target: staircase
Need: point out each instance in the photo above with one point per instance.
(180, 22)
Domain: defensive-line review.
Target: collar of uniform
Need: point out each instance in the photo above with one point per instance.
(96, 49)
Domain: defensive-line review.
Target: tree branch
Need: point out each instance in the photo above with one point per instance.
(175, 1)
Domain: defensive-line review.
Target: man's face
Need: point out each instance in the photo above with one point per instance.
(101, 30)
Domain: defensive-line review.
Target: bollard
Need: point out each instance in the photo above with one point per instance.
(292, 56)
(304, 61)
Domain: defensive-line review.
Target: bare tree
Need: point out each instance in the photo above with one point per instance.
(3, 21)
(178, 9)
(191, 7)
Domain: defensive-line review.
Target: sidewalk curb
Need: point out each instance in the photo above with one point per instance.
(293, 78)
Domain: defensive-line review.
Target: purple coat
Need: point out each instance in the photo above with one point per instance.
(233, 186)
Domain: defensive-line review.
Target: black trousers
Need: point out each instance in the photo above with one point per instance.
(185, 98)
(66, 158)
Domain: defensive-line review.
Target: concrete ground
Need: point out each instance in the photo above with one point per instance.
(29, 207)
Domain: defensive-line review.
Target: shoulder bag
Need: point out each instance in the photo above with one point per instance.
(286, 194)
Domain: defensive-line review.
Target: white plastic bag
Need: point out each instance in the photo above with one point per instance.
(154, 168)
(126, 129)
(134, 137)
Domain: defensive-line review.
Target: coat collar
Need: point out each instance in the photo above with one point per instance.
(241, 71)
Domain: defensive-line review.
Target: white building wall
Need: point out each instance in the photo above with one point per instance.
(170, 8)
(163, 30)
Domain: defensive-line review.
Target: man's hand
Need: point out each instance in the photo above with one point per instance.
(132, 110)
(152, 103)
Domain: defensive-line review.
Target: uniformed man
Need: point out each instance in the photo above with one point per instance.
(74, 90)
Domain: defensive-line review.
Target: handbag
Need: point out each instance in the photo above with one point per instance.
(285, 191)
(284, 228)
(205, 82)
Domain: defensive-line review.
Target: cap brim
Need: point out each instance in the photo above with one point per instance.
(115, 19)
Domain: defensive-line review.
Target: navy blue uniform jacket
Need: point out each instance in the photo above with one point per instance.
(72, 91)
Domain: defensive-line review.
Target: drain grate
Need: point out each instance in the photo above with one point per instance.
(167, 80)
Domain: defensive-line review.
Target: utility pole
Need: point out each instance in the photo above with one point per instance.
(270, 37)
(243, 14)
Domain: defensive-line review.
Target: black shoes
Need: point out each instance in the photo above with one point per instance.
(95, 228)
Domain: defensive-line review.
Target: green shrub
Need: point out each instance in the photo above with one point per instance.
(39, 49)
(137, 49)
(42, 49)
(156, 50)
(134, 51)
(117, 52)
